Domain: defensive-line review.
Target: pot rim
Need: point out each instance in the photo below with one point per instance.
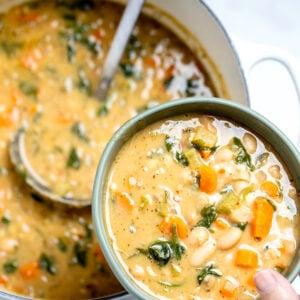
(232, 46)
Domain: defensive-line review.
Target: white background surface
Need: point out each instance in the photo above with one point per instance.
(275, 24)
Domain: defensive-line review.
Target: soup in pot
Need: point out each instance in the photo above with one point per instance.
(204, 205)
(51, 53)
(156, 67)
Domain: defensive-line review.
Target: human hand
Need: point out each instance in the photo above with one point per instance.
(273, 286)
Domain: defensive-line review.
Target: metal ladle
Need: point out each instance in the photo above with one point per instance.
(17, 148)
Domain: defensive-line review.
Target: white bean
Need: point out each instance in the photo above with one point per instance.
(249, 142)
(208, 123)
(198, 236)
(137, 271)
(224, 154)
(187, 176)
(241, 214)
(191, 216)
(239, 185)
(229, 238)
(241, 173)
(275, 171)
(201, 254)
(271, 254)
(292, 193)
(261, 176)
(208, 282)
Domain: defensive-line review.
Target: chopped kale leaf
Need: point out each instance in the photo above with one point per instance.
(10, 266)
(29, 89)
(209, 214)
(47, 263)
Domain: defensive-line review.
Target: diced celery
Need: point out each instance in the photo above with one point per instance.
(244, 192)
(61, 188)
(163, 208)
(193, 158)
(204, 138)
(229, 202)
(145, 201)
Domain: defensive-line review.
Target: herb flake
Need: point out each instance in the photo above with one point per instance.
(47, 263)
(74, 160)
(78, 129)
(208, 270)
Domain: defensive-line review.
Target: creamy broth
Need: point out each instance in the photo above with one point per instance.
(204, 204)
(51, 55)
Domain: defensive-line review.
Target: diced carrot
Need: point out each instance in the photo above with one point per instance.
(287, 246)
(229, 288)
(16, 97)
(246, 258)
(29, 17)
(32, 109)
(208, 179)
(10, 116)
(270, 188)
(149, 62)
(222, 171)
(98, 251)
(98, 34)
(205, 153)
(3, 279)
(166, 226)
(169, 72)
(66, 118)
(30, 270)
(262, 218)
(281, 249)
(221, 223)
(124, 200)
(250, 280)
(3, 198)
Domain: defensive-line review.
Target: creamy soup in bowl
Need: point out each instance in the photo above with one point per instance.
(193, 197)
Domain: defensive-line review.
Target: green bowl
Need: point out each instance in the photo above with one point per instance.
(214, 106)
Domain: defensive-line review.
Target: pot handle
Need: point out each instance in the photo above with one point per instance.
(252, 54)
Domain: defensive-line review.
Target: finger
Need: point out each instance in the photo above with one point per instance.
(273, 286)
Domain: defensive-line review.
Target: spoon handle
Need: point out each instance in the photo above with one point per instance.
(118, 45)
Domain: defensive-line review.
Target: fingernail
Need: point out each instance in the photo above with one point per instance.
(264, 281)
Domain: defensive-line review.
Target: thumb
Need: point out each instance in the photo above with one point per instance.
(273, 286)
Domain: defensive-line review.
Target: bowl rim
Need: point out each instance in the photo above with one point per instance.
(201, 105)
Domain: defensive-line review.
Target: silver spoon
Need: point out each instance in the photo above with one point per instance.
(17, 148)
(118, 45)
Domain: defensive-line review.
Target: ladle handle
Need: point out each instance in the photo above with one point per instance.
(118, 45)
